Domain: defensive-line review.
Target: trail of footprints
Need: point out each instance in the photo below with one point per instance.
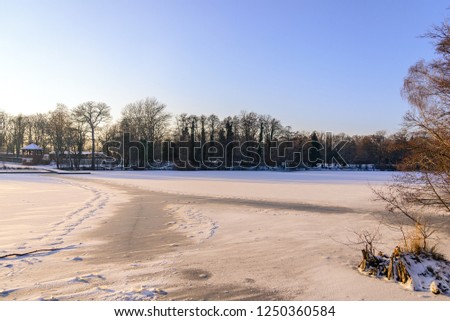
(57, 232)
(86, 285)
(201, 227)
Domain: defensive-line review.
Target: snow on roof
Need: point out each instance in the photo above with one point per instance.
(32, 146)
(87, 153)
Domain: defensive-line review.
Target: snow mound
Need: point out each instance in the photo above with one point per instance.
(428, 273)
(420, 272)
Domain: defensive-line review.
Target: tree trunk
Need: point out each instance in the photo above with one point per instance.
(93, 148)
(70, 159)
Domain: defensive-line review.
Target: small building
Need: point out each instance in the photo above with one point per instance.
(32, 154)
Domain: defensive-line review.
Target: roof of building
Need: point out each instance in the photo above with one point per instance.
(32, 146)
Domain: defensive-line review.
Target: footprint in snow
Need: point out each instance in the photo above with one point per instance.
(87, 278)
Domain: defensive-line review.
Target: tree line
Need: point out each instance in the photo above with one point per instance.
(190, 141)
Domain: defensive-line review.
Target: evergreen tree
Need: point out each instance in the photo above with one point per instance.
(314, 154)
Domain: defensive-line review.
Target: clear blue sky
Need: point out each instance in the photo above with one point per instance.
(325, 65)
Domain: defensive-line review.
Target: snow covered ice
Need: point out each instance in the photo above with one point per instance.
(146, 235)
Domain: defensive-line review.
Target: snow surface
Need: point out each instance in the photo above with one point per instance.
(312, 176)
(241, 239)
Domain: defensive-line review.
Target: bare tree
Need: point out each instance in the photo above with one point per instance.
(425, 189)
(59, 123)
(3, 136)
(93, 114)
(39, 125)
(213, 126)
(18, 132)
(248, 125)
(202, 130)
(8, 133)
(80, 131)
(146, 119)
(272, 127)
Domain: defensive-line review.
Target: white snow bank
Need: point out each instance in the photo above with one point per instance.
(426, 270)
